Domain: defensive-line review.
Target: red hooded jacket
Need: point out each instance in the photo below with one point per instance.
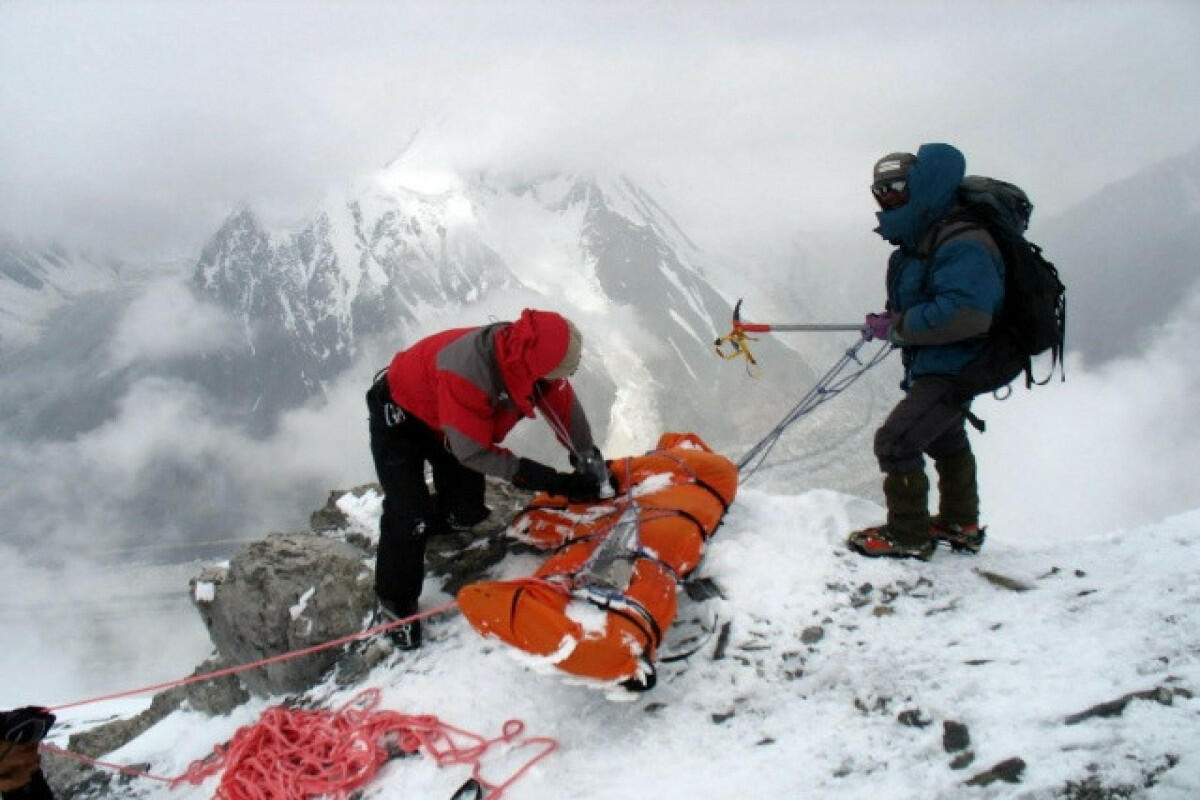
(474, 384)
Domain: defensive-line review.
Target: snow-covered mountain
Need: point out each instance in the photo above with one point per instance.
(405, 250)
(1063, 657)
(1127, 256)
(34, 281)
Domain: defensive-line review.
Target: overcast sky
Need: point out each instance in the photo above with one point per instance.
(137, 126)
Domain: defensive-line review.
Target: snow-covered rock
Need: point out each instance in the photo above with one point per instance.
(281, 594)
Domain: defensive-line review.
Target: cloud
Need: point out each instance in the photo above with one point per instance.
(1110, 448)
(167, 321)
(750, 120)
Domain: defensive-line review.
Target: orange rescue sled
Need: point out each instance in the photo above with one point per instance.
(598, 607)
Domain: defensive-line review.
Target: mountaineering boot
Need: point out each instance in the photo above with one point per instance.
(879, 541)
(961, 538)
(407, 635)
(957, 520)
(461, 516)
(907, 533)
(459, 521)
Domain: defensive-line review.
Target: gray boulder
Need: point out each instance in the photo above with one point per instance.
(284, 593)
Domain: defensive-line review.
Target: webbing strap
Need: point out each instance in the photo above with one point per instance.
(690, 517)
(696, 479)
(628, 608)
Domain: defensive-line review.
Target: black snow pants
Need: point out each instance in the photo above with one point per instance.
(401, 446)
(929, 420)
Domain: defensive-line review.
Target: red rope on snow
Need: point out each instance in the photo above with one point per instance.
(221, 673)
(121, 768)
(293, 754)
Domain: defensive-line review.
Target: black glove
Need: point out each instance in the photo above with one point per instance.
(537, 477)
(591, 463)
(24, 725)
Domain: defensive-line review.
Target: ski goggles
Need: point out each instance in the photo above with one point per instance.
(890, 193)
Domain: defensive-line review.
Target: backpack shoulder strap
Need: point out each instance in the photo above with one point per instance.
(959, 224)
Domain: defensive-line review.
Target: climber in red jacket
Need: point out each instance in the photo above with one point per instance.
(448, 401)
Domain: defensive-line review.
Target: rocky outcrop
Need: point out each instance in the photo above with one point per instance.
(287, 592)
(74, 779)
(284, 593)
(290, 591)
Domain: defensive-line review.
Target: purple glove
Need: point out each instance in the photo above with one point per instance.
(878, 325)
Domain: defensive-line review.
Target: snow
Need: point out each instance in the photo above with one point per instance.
(635, 421)
(694, 302)
(403, 175)
(827, 652)
(362, 512)
(297, 610)
(590, 617)
(541, 244)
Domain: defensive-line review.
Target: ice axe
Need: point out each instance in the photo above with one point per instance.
(738, 340)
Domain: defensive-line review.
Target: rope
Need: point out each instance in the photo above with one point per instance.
(292, 754)
(825, 388)
(221, 673)
(561, 432)
(94, 762)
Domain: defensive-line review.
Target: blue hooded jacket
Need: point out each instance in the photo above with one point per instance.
(947, 302)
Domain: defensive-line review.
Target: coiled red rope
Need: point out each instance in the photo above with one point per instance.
(293, 754)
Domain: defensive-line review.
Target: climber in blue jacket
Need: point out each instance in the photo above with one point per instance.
(945, 283)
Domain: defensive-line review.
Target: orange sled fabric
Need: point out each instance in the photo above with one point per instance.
(599, 605)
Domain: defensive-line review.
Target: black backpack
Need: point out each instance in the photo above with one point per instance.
(1033, 319)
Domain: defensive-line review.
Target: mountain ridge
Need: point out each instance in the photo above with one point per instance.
(1127, 255)
(381, 260)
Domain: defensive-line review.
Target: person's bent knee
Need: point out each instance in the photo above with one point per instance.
(894, 455)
